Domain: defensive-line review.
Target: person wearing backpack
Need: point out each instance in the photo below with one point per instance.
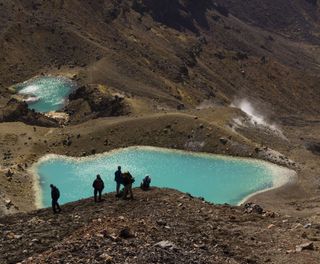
(98, 186)
(55, 195)
(145, 184)
(128, 180)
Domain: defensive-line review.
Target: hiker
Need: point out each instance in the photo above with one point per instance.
(119, 180)
(127, 182)
(55, 194)
(145, 184)
(98, 186)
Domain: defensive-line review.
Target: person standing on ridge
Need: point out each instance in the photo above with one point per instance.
(98, 186)
(128, 180)
(119, 180)
(55, 195)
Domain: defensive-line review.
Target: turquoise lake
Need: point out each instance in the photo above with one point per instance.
(216, 178)
(46, 94)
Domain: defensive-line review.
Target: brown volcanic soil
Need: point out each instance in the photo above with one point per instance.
(201, 233)
(195, 53)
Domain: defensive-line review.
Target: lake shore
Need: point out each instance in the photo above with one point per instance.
(280, 175)
(106, 134)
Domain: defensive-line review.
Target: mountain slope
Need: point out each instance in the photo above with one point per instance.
(173, 52)
(297, 19)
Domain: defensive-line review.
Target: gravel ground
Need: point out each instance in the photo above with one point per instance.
(158, 226)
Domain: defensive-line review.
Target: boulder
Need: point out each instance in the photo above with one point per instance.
(106, 258)
(9, 173)
(8, 204)
(305, 246)
(253, 208)
(161, 222)
(223, 140)
(166, 245)
(314, 147)
(126, 233)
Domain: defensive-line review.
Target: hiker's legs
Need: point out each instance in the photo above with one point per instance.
(144, 186)
(118, 188)
(125, 191)
(130, 190)
(95, 195)
(53, 206)
(100, 191)
(58, 207)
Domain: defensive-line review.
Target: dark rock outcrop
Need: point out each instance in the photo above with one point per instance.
(89, 102)
(16, 110)
(313, 147)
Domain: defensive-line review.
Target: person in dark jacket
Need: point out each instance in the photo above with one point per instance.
(119, 180)
(55, 195)
(128, 180)
(145, 184)
(98, 186)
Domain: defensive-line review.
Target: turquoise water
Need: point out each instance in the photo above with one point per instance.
(216, 178)
(45, 94)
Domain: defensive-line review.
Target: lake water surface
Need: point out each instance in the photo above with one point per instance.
(219, 179)
(46, 94)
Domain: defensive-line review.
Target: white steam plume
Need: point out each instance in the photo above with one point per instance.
(256, 118)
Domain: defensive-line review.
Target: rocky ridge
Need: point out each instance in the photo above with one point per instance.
(158, 226)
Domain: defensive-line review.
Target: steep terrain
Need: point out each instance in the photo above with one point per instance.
(297, 20)
(175, 52)
(158, 226)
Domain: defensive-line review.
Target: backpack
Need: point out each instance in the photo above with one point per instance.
(98, 184)
(55, 193)
(128, 179)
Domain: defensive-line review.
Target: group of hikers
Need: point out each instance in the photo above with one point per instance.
(120, 178)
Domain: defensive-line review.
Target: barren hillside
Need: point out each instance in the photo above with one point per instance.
(174, 52)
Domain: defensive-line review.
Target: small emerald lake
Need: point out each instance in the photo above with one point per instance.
(219, 179)
(45, 94)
